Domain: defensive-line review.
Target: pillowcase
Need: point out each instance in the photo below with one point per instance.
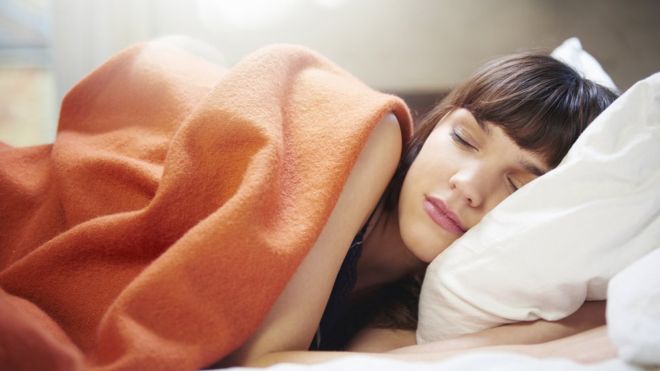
(558, 240)
(571, 53)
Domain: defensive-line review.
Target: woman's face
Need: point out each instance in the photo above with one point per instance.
(461, 173)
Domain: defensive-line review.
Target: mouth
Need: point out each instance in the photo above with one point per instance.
(439, 212)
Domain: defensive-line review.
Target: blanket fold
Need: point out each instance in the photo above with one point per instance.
(175, 203)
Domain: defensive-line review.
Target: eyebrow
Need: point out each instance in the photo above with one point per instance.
(532, 168)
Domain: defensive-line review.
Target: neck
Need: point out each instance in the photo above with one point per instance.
(385, 257)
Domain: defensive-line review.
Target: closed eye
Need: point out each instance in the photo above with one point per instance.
(513, 186)
(458, 139)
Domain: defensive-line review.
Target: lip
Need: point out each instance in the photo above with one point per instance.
(442, 216)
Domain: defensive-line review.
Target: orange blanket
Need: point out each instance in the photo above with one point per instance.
(175, 203)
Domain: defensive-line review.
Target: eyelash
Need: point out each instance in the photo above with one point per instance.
(512, 185)
(458, 139)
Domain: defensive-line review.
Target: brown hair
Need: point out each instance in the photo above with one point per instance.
(541, 103)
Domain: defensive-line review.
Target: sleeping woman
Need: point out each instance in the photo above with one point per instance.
(511, 122)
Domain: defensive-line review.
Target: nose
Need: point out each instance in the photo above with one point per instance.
(468, 186)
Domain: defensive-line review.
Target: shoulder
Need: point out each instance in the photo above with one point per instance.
(373, 169)
(383, 148)
(366, 182)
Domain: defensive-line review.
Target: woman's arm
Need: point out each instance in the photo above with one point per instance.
(293, 319)
(588, 316)
(585, 347)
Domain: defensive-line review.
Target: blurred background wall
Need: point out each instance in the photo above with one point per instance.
(410, 47)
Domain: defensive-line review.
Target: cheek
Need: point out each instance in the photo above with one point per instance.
(422, 237)
(495, 199)
(430, 173)
(433, 160)
(423, 176)
(494, 195)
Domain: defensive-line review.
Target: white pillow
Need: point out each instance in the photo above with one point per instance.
(558, 240)
(571, 53)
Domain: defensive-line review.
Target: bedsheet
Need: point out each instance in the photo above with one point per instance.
(482, 361)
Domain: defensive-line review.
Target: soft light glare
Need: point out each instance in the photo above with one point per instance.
(244, 14)
(330, 4)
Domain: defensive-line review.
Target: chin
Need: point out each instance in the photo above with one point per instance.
(427, 255)
(424, 243)
(418, 244)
